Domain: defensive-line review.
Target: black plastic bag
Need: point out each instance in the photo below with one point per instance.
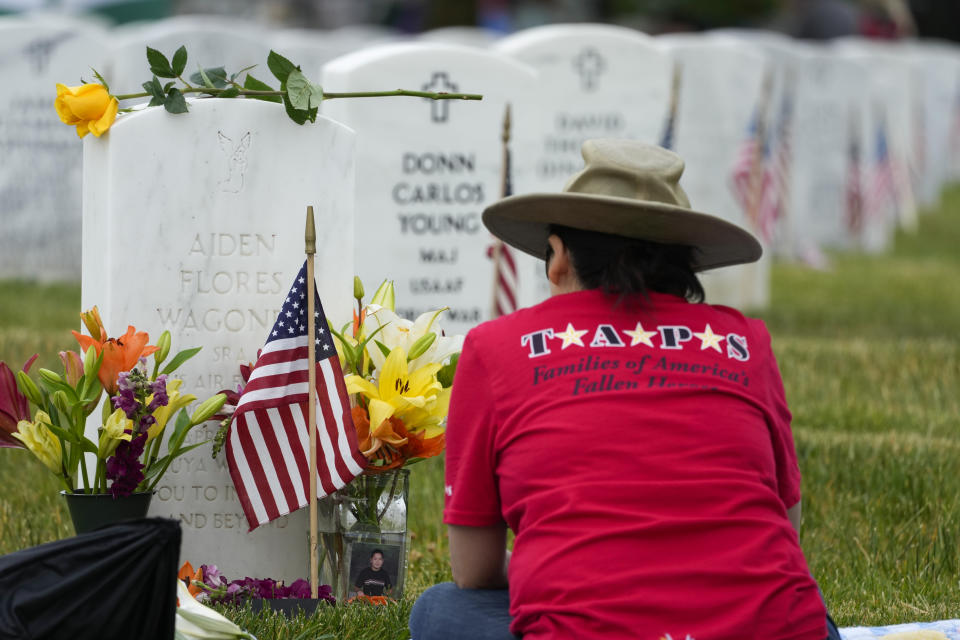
(117, 582)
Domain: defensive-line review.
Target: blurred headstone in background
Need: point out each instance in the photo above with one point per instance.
(211, 41)
(594, 81)
(40, 157)
(427, 169)
(722, 92)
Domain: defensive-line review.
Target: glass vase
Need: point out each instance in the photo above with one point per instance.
(367, 517)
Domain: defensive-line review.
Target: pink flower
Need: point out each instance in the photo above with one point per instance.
(14, 406)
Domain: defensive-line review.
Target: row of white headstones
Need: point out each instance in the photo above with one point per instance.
(194, 223)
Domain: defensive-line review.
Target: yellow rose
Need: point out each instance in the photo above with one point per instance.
(88, 106)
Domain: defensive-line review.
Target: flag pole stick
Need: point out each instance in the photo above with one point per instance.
(498, 243)
(310, 237)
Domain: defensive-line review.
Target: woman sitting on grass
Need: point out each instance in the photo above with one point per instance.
(636, 442)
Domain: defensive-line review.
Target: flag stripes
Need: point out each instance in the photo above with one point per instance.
(268, 448)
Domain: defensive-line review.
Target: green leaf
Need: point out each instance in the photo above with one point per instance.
(63, 434)
(212, 78)
(384, 349)
(230, 92)
(179, 431)
(279, 66)
(168, 86)
(179, 359)
(253, 84)
(303, 94)
(100, 79)
(154, 89)
(234, 76)
(175, 102)
(300, 116)
(160, 463)
(180, 60)
(445, 375)
(159, 65)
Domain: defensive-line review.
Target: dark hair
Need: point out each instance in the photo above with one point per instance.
(625, 267)
(375, 552)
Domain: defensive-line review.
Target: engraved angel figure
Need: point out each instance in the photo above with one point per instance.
(236, 162)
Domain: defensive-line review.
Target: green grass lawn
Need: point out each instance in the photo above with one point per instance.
(870, 358)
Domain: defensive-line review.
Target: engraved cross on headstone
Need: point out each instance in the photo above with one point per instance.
(440, 109)
(40, 50)
(589, 64)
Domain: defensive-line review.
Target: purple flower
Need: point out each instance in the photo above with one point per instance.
(159, 390)
(126, 400)
(124, 468)
(299, 589)
(212, 576)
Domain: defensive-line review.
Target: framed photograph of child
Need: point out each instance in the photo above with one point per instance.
(375, 569)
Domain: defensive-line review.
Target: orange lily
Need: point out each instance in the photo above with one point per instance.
(119, 354)
(188, 575)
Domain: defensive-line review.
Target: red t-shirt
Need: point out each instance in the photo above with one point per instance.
(645, 462)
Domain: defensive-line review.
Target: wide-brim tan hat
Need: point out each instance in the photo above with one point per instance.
(627, 188)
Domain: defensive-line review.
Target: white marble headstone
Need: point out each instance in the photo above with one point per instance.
(427, 169)
(720, 90)
(940, 66)
(313, 48)
(210, 42)
(893, 89)
(195, 223)
(595, 81)
(829, 109)
(40, 157)
(466, 36)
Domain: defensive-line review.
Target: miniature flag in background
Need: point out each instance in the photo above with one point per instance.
(775, 193)
(882, 197)
(743, 172)
(504, 265)
(854, 191)
(268, 448)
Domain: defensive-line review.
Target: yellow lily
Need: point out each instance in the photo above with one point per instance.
(176, 402)
(38, 438)
(398, 393)
(114, 430)
(429, 421)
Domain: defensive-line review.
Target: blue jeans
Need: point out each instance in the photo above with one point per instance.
(444, 611)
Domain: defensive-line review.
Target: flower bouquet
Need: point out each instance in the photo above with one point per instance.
(399, 374)
(126, 453)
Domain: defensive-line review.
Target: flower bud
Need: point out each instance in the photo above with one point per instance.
(421, 345)
(91, 362)
(384, 296)
(72, 367)
(29, 388)
(50, 376)
(91, 318)
(357, 288)
(163, 347)
(208, 408)
(60, 401)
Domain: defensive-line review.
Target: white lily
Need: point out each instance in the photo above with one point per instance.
(198, 622)
(399, 332)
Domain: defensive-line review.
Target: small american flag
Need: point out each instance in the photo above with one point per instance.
(268, 450)
(882, 197)
(854, 209)
(504, 265)
(775, 191)
(742, 173)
